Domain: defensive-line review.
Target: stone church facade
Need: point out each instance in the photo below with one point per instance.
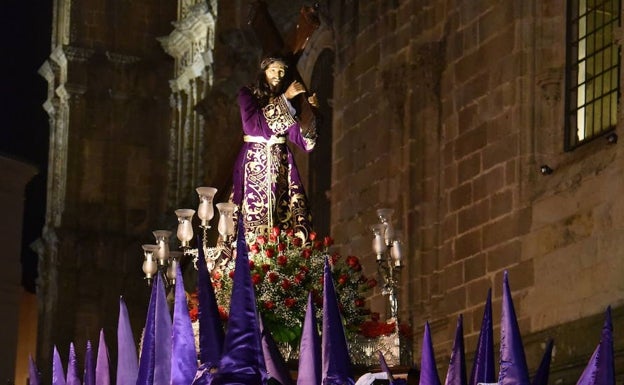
(444, 111)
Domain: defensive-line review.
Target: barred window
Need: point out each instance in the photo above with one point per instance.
(592, 70)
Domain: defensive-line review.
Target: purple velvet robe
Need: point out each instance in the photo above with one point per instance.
(267, 184)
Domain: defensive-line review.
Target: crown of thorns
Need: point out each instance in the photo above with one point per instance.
(267, 61)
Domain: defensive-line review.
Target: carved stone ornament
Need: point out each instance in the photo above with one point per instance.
(550, 83)
(118, 58)
(78, 54)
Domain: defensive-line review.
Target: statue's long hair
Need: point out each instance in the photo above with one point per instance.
(261, 89)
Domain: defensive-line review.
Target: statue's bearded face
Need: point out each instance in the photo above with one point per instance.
(275, 73)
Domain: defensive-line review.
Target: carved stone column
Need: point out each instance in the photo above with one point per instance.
(191, 44)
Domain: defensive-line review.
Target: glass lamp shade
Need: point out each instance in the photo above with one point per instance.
(205, 211)
(397, 253)
(385, 216)
(379, 244)
(172, 269)
(162, 240)
(226, 219)
(185, 226)
(149, 265)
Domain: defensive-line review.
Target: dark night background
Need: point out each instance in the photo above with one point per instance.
(26, 31)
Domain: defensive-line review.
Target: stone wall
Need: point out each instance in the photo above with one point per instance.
(445, 112)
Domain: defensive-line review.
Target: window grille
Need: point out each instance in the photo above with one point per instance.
(592, 70)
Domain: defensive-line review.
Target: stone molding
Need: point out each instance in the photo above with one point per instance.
(549, 81)
(191, 44)
(122, 59)
(78, 54)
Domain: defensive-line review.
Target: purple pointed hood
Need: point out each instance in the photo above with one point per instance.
(72, 367)
(88, 377)
(242, 361)
(163, 340)
(34, 378)
(58, 374)
(275, 363)
(102, 365)
(541, 376)
(155, 360)
(309, 371)
(600, 369)
(184, 356)
(211, 333)
(428, 370)
(336, 363)
(513, 367)
(483, 365)
(127, 361)
(456, 373)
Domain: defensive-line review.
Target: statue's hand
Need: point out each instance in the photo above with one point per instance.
(295, 88)
(313, 100)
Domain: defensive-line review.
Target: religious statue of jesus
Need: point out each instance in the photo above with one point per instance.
(267, 186)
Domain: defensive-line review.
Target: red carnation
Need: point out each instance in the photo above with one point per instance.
(275, 231)
(252, 264)
(352, 261)
(231, 274)
(297, 242)
(282, 260)
(272, 238)
(286, 284)
(194, 313)
(312, 236)
(290, 302)
(359, 302)
(318, 245)
(269, 253)
(273, 276)
(216, 275)
(281, 246)
(255, 248)
(223, 314)
(290, 232)
(343, 279)
(269, 305)
(261, 239)
(304, 268)
(306, 253)
(256, 279)
(328, 241)
(266, 267)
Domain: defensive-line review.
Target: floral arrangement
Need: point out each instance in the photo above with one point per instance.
(284, 269)
(374, 328)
